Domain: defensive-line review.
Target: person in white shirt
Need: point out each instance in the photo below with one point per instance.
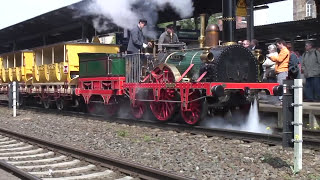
(269, 74)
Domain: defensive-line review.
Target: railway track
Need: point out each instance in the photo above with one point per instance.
(32, 158)
(311, 138)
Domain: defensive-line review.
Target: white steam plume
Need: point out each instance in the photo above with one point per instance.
(126, 13)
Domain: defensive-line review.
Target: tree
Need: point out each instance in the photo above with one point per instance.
(213, 19)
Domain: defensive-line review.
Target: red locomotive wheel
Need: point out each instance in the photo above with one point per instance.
(195, 110)
(91, 108)
(163, 111)
(112, 108)
(138, 109)
(96, 108)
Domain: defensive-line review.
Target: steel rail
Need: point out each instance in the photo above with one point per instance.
(17, 172)
(310, 139)
(226, 133)
(276, 139)
(311, 142)
(123, 166)
(306, 132)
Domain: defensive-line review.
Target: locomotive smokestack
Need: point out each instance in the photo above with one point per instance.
(228, 18)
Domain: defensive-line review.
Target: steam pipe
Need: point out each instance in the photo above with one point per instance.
(228, 19)
(202, 29)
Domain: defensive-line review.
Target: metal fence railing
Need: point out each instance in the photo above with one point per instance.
(133, 68)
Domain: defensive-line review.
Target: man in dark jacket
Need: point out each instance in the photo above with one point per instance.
(167, 37)
(137, 41)
(311, 70)
(294, 61)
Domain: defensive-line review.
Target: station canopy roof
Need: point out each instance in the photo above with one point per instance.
(292, 30)
(61, 25)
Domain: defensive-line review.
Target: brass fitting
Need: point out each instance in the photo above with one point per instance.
(206, 56)
(202, 29)
(212, 35)
(258, 55)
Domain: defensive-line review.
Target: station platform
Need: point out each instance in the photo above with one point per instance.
(311, 113)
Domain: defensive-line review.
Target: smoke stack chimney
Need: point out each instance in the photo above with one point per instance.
(229, 20)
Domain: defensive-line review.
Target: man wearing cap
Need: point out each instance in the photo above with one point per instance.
(137, 41)
(167, 37)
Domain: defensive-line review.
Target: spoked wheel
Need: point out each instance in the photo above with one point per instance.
(82, 105)
(91, 108)
(196, 110)
(164, 111)
(96, 105)
(138, 109)
(60, 104)
(112, 108)
(46, 103)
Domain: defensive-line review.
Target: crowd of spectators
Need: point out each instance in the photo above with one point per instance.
(283, 63)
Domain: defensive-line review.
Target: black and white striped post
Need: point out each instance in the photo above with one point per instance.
(287, 108)
(13, 95)
(298, 115)
(14, 98)
(292, 119)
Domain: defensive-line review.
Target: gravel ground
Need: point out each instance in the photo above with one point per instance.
(4, 175)
(196, 156)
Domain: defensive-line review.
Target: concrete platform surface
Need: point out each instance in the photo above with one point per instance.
(310, 109)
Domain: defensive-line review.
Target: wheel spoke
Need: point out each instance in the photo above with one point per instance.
(193, 115)
(163, 111)
(138, 109)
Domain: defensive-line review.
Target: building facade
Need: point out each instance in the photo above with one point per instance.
(304, 9)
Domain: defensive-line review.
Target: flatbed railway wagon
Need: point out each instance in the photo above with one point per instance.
(47, 75)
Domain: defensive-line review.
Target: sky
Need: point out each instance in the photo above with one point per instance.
(27, 9)
(15, 11)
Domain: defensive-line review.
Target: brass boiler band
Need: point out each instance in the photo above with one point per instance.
(259, 56)
(261, 59)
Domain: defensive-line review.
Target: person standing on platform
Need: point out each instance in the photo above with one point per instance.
(268, 66)
(254, 44)
(137, 40)
(246, 44)
(311, 70)
(281, 60)
(294, 64)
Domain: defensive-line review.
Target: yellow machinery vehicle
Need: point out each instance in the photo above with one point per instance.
(60, 62)
(16, 66)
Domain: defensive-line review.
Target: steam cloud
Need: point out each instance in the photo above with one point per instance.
(126, 13)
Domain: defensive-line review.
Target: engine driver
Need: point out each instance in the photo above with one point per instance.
(167, 37)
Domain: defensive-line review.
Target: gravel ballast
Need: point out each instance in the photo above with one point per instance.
(196, 156)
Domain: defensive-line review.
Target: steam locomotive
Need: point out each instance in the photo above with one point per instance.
(192, 82)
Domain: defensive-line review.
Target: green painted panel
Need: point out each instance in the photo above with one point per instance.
(118, 66)
(93, 64)
(187, 58)
(101, 65)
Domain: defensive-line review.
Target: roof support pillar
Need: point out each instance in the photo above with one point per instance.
(250, 20)
(318, 8)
